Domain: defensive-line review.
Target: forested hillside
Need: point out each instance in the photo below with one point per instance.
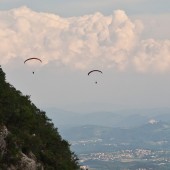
(28, 138)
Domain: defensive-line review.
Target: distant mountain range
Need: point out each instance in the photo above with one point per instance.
(115, 133)
(152, 135)
(123, 139)
(123, 129)
(119, 118)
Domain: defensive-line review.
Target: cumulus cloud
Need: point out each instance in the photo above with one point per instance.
(80, 42)
(153, 56)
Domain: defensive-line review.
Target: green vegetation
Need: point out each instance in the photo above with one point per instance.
(30, 131)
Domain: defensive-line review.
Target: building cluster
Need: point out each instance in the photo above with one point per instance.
(83, 167)
(126, 156)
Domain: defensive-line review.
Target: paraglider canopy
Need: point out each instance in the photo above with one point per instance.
(33, 58)
(94, 71)
(31, 62)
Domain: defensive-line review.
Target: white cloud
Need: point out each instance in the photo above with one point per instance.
(153, 56)
(80, 42)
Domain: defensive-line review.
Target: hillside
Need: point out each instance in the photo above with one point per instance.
(28, 138)
(106, 148)
(101, 139)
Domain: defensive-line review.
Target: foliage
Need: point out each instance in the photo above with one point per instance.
(31, 131)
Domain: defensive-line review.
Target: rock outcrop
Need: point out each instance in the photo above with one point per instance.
(3, 134)
(25, 162)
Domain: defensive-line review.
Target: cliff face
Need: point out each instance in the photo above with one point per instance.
(3, 134)
(26, 162)
(28, 139)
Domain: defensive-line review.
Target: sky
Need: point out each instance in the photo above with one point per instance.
(129, 41)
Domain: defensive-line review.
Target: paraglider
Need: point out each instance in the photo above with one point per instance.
(32, 58)
(92, 71)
